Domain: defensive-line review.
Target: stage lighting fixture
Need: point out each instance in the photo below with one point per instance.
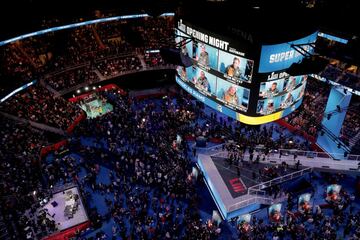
(78, 91)
(94, 88)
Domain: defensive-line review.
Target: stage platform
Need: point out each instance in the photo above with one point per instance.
(235, 195)
(56, 208)
(96, 108)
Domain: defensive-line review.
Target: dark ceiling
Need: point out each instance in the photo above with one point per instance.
(23, 16)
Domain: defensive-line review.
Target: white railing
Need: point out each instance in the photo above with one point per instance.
(255, 199)
(300, 153)
(255, 194)
(278, 180)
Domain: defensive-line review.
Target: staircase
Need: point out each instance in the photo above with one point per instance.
(101, 77)
(97, 38)
(48, 87)
(142, 60)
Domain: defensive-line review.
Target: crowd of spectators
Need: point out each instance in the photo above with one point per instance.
(155, 195)
(116, 66)
(156, 32)
(72, 78)
(37, 104)
(153, 59)
(309, 115)
(20, 172)
(57, 51)
(152, 192)
(347, 76)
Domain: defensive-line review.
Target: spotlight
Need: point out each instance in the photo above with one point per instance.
(78, 91)
(94, 88)
(34, 193)
(143, 120)
(86, 88)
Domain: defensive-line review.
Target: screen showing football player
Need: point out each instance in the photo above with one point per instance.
(273, 90)
(203, 58)
(233, 70)
(289, 99)
(290, 84)
(270, 107)
(230, 95)
(202, 82)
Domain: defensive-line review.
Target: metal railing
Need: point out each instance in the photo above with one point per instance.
(255, 199)
(308, 154)
(275, 181)
(257, 194)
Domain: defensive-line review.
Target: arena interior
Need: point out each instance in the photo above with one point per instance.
(165, 119)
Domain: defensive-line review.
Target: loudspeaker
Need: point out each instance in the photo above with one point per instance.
(174, 56)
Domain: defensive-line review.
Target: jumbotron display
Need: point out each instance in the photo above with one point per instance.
(223, 77)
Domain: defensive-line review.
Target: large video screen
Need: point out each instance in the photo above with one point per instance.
(278, 57)
(272, 104)
(222, 78)
(235, 68)
(205, 56)
(280, 86)
(231, 67)
(221, 91)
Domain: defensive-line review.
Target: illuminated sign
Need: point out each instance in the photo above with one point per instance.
(280, 56)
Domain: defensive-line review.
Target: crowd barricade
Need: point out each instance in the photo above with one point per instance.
(76, 122)
(308, 137)
(55, 147)
(69, 233)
